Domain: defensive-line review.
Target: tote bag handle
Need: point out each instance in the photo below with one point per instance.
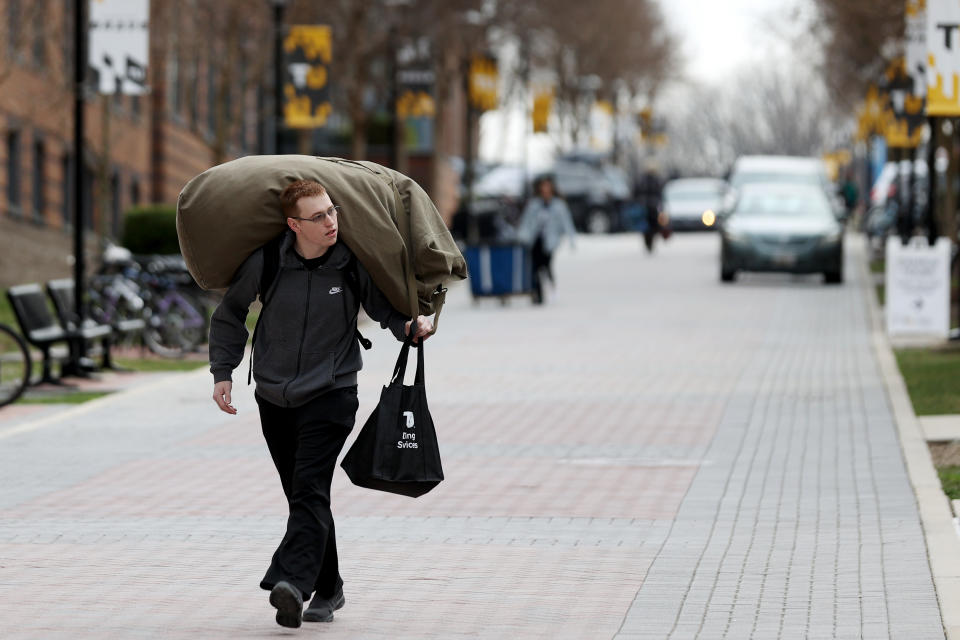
(401, 367)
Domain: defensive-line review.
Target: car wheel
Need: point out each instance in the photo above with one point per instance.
(727, 275)
(833, 277)
(598, 221)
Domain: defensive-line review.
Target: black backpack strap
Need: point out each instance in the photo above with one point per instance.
(271, 267)
(353, 282)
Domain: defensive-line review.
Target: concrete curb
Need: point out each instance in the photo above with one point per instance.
(943, 541)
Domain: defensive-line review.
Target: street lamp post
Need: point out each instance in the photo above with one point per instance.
(79, 99)
(279, 8)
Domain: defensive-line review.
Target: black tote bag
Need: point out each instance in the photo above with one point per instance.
(397, 451)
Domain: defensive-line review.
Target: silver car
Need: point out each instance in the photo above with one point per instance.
(782, 227)
(693, 203)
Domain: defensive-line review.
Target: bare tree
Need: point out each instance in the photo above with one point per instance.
(603, 49)
(765, 109)
(858, 38)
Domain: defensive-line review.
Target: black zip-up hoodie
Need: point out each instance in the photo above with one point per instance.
(306, 342)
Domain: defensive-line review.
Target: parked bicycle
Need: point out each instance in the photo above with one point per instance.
(14, 365)
(160, 290)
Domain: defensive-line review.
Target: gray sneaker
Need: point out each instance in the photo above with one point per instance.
(288, 602)
(321, 609)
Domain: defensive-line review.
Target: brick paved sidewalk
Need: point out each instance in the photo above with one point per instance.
(649, 455)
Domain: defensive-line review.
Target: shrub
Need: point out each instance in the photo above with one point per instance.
(151, 228)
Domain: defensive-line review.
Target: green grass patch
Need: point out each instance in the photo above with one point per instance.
(881, 294)
(878, 266)
(931, 377)
(950, 479)
(75, 397)
(6, 312)
(159, 365)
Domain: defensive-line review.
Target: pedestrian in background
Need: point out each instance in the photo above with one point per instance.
(305, 362)
(545, 221)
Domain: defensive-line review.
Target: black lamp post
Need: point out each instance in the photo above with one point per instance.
(279, 8)
(79, 96)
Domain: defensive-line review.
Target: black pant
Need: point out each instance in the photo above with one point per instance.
(540, 259)
(304, 443)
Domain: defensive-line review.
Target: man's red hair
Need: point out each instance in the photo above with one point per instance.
(296, 190)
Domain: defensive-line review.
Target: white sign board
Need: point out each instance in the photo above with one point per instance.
(918, 287)
(119, 38)
(916, 58)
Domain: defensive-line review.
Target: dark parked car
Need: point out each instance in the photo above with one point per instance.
(595, 192)
(782, 227)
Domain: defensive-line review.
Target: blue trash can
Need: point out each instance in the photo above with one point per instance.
(499, 270)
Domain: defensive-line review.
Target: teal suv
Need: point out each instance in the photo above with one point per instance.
(781, 227)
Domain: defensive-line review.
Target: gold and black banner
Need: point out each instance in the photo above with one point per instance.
(307, 55)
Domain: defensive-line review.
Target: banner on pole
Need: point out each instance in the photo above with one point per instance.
(119, 38)
(307, 54)
(904, 119)
(483, 82)
(542, 104)
(916, 49)
(943, 57)
(416, 107)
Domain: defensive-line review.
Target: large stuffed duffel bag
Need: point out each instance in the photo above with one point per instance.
(389, 222)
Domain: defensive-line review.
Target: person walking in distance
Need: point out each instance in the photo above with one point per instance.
(545, 221)
(305, 362)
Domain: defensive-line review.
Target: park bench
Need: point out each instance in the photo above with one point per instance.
(62, 294)
(38, 325)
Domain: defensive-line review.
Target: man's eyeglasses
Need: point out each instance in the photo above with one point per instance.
(331, 212)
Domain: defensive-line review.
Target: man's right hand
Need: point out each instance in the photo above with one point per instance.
(221, 395)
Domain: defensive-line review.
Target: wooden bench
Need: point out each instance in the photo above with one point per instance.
(62, 294)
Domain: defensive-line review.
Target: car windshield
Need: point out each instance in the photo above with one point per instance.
(692, 194)
(741, 179)
(787, 203)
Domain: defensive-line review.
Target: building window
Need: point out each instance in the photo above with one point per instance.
(14, 28)
(241, 117)
(173, 75)
(67, 190)
(115, 204)
(68, 51)
(13, 173)
(211, 96)
(135, 192)
(39, 8)
(87, 197)
(263, 129)
(39, 182)
(193, 87)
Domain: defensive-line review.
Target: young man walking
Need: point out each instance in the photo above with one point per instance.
(305, 362)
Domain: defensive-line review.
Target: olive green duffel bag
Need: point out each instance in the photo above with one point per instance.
(387, 220)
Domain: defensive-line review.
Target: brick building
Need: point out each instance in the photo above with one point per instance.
(209, 101)
(139, 149)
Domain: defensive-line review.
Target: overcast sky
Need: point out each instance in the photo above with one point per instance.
(718, 37)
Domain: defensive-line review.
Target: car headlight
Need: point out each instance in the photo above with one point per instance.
(709, 218)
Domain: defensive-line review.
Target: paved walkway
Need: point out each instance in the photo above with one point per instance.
(650, 455)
